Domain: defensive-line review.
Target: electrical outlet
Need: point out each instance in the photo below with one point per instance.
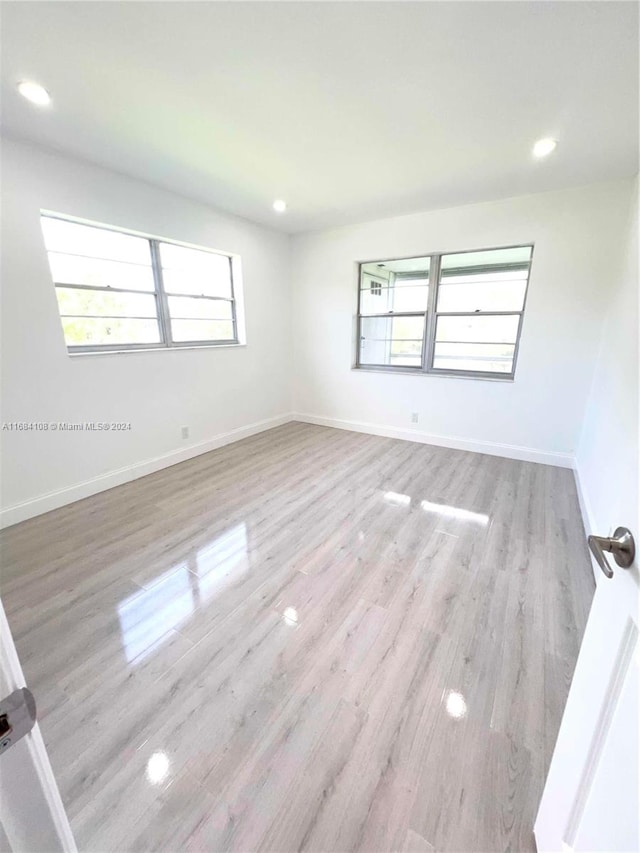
(414, 417)
(185, 432)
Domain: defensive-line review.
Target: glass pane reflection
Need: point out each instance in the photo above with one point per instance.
(221, 563)
(147, 618)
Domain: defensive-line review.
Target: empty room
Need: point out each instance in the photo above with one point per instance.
(319, 427)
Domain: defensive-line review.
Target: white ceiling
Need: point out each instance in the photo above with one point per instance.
(349, 111)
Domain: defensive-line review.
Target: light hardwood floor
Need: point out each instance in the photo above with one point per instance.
(308, 640)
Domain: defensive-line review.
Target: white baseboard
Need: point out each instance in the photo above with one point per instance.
(585, 507)
(588, 518)
(53, 500)
(510, 451)
(78, 491)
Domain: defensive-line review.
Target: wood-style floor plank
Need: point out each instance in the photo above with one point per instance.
(308, 640)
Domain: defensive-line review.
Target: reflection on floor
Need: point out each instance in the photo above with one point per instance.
(311, 639)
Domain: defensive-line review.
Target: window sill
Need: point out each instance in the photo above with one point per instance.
(409, 371)
(92, 353)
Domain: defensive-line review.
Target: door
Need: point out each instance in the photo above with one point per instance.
(590, 799)
(32, 817)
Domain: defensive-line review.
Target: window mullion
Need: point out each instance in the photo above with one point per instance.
(430, 330)
(161, 296)
(233, 302)
(517, 343)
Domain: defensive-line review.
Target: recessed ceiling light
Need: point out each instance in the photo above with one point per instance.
(35, 93)
(544, 146)
(279, 205)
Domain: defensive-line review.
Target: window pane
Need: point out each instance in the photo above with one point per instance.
(391, 340)
(399, 266)
(76, 301)
(202, 330)
(487, 293)
(520, 256)
(478, 329)
(70, 269)
(489, 358)
(404, 355)
(63, 236)
(190, 308)
(405, 328)
(405, 295)
(193, 271)
(80, 331)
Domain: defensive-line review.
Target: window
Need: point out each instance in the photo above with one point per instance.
(393, 309)
(454, 314)
(122, 291)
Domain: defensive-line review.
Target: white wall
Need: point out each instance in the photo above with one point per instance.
(225, 393)
(608, 457)
(577, 236)
(213, 391)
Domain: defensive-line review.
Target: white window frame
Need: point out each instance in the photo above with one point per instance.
(163, 316)
(431, 317)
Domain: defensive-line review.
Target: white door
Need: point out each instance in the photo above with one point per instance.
(590, 800)
(32, 817)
